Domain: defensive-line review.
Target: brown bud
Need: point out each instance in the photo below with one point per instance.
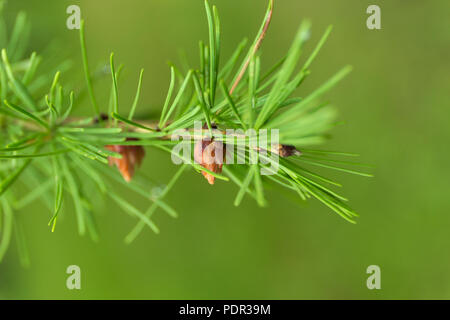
(131, 157)
(210, 155)
(285, 151)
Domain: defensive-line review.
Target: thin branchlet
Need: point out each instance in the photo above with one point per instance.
(255, 47)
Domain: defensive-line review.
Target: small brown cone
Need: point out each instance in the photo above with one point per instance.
(286, 151)
(206, 153)
(131, 157)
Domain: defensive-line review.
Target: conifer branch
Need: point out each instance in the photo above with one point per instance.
(42, 140)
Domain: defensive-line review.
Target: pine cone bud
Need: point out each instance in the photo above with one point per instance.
(285, 151)
(131, 157)
(210, 155)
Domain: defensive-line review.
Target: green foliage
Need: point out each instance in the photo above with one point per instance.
(76, 147)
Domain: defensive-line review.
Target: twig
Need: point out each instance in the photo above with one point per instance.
(255, 49)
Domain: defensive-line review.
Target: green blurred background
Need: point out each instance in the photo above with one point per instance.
(396, 107)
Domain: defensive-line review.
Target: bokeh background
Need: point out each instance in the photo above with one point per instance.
(396, 104)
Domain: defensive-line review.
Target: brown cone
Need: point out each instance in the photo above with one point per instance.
(205, 155)
(131, 157)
